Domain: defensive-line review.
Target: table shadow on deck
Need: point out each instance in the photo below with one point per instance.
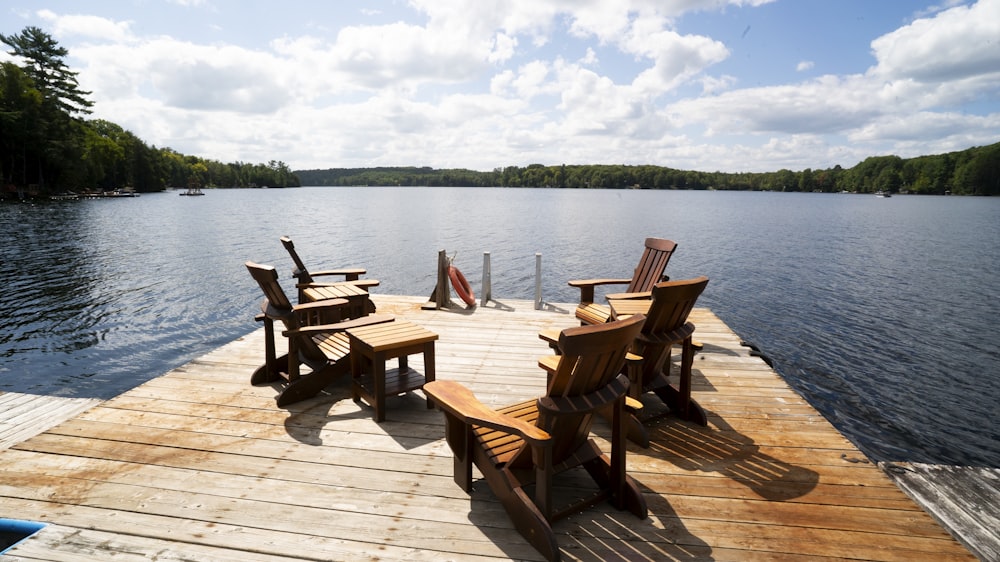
(199, 464)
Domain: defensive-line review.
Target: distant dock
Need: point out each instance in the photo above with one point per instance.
(198, 464)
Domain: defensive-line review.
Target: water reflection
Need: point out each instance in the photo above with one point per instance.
(879, 311)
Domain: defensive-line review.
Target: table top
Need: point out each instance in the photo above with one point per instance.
(621, 308)
(389, 335)
(338, 291)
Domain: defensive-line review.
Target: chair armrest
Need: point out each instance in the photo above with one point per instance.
(633, 405)
(320, 312)
(594, 282)
(458, 401)
(586, 286)
(549, 363)
(363, 283)
(349, 273)
(633, 367)
(624, 296)
(340, 326)
(326, 303)
(551, 337)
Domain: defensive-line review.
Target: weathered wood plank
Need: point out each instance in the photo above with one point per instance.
(23, 416)
(197, 464)
(965, 500)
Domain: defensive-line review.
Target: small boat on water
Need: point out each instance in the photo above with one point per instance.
(192, 191)
(124, 192)
(883, 194)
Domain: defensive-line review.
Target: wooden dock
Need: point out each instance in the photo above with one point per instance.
(25, 415)
(199, 465)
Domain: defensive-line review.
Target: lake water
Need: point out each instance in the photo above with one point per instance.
(883, 313)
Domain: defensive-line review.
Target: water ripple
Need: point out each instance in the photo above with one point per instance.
(880, 312)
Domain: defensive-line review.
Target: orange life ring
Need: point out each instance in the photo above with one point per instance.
(461, 286)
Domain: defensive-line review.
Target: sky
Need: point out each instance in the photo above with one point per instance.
(708, 85)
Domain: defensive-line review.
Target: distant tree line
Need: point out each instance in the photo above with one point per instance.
(408, 176)
(47, 146)
(975, 171)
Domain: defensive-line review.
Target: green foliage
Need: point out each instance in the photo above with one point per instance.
(45, 149)
(43, 145)
(975, 171)
(409, 176)
(44, 65)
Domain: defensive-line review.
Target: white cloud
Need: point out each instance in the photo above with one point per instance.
(824, 105)
(478, 84)
(805, 65)
(940, 62)
(188, 76)
(956, 44)
(918, 126)
(92, 27)
(381, 56)
(677, 59)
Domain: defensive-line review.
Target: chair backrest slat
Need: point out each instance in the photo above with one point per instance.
(267, 278)
(277, 307)
(672, 303)
(652, 264)
(591, 357)
(300, 268)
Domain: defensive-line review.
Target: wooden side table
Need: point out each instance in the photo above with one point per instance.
(357, 297)
(372, 346)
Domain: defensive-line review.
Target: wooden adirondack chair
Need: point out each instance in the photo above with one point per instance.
(316, 336)
(667, 325)
(531, 443)
(305, 279)
(647, 273)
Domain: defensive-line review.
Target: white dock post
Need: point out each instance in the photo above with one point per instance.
(487, 293)
(538, 281)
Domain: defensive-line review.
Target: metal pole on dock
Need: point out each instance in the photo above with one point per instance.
(487, 293)
(538, 281)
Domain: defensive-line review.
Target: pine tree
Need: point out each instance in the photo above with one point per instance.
(43, 58)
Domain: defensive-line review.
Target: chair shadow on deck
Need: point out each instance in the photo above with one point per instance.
(598, 535)
(308, 419)
(710, 348)
(723, 450)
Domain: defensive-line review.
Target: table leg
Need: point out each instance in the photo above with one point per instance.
(429, 369)
(684, 380)
(355, 359)
(378, 374)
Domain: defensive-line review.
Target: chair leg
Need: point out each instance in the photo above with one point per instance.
(633, 500)
(674, 399)
(625, 494)
(530, 522)
(460, 438)
(678, 398)
(634, 428)
(267, 374)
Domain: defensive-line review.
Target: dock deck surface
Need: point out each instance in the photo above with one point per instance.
(197, 464)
